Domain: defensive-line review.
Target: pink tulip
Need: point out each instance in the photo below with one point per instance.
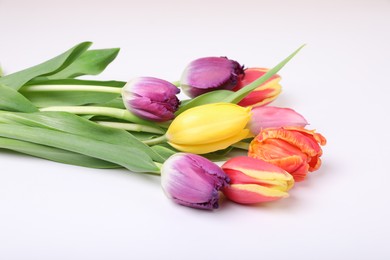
(274, 117)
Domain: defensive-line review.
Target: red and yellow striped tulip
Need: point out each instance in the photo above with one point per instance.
(293, 149)
(255, 181)
(262, 95)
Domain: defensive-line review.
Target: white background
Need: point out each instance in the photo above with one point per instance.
(339, 82)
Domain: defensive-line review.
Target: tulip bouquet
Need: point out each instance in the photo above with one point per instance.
(48, 112)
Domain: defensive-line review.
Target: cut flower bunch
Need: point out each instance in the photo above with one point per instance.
(47, 111)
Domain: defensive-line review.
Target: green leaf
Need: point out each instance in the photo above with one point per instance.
(131, 158)
(11, 100)
(50, 67)
(70, 123)
(163, 151)
(91, 62)
(207, 98)
(236, 97)
(54, 154)
(70, 98)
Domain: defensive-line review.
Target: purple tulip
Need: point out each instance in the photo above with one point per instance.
(192, 180)
(151, 98)
(208, 74)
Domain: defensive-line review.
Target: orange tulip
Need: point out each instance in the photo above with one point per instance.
(294, 149)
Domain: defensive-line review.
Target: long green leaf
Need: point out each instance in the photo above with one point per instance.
(55, 154)
(236, 97)
(52, 66)
(91, 62)
(11, 100)
(129, 157)
(207, 98)
(72, 124)
(70, 98)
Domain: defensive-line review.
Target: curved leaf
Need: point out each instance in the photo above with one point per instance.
(11, 100)
(52, 66)
(91, 62)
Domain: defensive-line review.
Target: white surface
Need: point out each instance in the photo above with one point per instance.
(339, 82)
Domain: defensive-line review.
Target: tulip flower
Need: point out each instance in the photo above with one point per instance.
(263, 94)
(208, 128)
(209, 74)
(254, 181)
(192, 180)
(274, 117)
(294, 149)
(151, 98)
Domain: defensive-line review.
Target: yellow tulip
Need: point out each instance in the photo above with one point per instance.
(209, 128)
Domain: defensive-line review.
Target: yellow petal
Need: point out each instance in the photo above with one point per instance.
(208, 124)
(261, 190)
(211, 147)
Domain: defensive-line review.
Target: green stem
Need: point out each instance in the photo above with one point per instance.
(176, 83)
(241, 145)
(132, 127)
(89, 88)
(159, 165)
(118, 113)
(157, 140)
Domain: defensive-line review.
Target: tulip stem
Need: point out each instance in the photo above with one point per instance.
(241, 145)
(118, 113)
(131, 127)
(176, 83)
(89, 88)
(157, 140)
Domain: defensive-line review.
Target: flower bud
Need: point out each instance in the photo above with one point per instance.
(263, 94)
(294, 149)
(208, 74)
(151, 98)
(254, 181)
(208, 128)
(192, 180)
(274, 117)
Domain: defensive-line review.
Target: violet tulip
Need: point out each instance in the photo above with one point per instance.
(208, 74)
(255, 181)
(192, 180)
(151, 98)
(274, 117)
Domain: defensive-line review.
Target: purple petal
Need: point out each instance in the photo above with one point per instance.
(192, 180)
(210, 73)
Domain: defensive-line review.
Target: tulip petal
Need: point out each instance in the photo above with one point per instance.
(262, 95)
(208, 124)
(208, 74)
(293, 137)
(252, 193)
(243, 169)
(211, 147)
(274, 117)
(192, 180)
